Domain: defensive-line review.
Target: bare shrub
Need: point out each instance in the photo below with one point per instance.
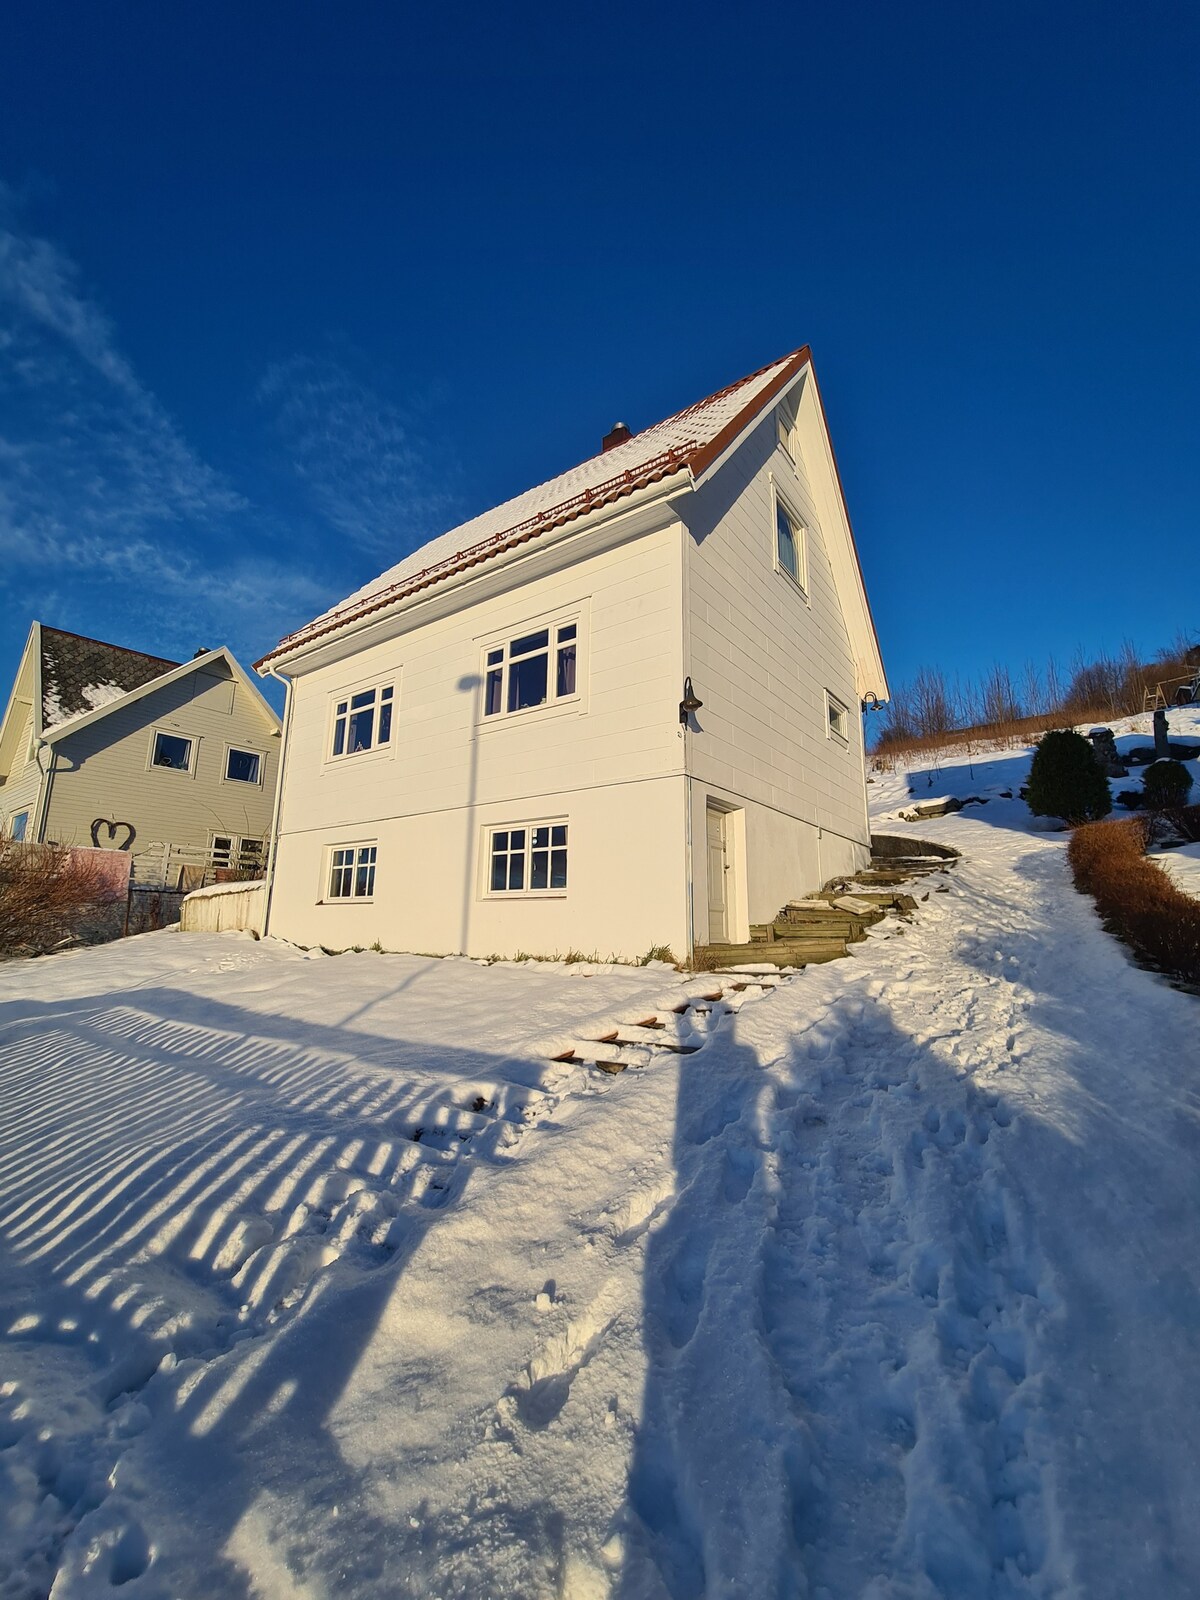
(45, 892)
(1135, 897)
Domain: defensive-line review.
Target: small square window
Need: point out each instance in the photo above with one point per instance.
(173, 751)
(242, 766)
(839, 717)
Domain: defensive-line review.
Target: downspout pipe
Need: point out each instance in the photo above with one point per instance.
(273, 855)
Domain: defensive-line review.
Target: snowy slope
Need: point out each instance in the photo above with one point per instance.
(890, 1289)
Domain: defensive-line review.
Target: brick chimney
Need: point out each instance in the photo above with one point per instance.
(618, 433)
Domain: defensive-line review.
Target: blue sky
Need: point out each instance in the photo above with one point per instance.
(287, 289)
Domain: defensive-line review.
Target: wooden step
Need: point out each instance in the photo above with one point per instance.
(779, 953)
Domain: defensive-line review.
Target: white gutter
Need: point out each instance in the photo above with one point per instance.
(615, 512)
(273, 854)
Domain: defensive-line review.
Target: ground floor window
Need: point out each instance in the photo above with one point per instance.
(352, 872)
(528, 859)
(19, 825)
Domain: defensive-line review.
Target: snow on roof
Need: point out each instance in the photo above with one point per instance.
(80, 674)
(690, 439)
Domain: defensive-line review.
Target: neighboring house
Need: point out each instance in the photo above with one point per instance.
(490, 748)
(106, 746)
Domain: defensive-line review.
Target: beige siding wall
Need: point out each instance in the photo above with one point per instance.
(20, 793)
(762, 655)
(611, 764)
(104, 770)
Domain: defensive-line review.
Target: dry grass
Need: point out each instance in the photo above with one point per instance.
(1135, 897)
(1007, 735)
(45, 892)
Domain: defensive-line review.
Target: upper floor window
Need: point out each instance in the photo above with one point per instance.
(535, 669)
(243, 766)
(172, 750)
(790, 555)
(363, 721)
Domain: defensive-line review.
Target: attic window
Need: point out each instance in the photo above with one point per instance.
(242, 766)
(789, 544)
(534, 669)
(173, 751)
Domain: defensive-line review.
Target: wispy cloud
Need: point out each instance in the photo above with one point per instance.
(102, 500)
(366, 469)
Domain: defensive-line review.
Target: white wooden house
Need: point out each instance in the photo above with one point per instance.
(619, 711)
(104, 746)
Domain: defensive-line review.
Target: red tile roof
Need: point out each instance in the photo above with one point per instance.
(690, 441)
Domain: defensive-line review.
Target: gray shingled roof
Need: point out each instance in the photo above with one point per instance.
(81, 674)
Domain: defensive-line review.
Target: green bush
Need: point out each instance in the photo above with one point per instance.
(1066, 781)
(1165, 784)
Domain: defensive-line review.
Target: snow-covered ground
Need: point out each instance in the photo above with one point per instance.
(890, 1289)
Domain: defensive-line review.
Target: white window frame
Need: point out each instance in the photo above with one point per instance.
(527, 851)
(781, 503)
(12, 825)
(499, 645)
(388, 687)
(243, 750)
(785, 432)
(357, 849)
(193, 743)
(234, 856)
(836, 710)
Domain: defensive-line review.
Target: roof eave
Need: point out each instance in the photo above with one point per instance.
(459, 574)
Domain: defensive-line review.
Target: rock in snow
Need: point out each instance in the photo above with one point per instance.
(324, 1280)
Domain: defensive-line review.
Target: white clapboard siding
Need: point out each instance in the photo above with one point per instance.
(762, 655)
(21, 791)
(612, 764)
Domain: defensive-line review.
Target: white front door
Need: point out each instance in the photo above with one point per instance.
(718, 873)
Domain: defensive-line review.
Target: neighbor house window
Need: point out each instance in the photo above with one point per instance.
(352, 872)
(172, 750)
(838, 715)
(531, 859)
(243, 766)
(363, 721)
(19, 825)
(789, 544)
(535, 669)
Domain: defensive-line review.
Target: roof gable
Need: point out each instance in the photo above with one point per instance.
(690, 442)
(80, 675)
(200, 663)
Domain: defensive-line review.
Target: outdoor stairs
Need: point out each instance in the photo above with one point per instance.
(823, 926)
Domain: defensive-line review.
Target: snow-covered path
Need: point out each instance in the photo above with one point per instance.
(890, 1289)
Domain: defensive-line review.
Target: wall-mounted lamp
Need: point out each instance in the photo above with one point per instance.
(689, 703)
(871, 702)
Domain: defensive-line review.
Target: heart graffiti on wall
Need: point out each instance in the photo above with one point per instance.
(126, 831)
